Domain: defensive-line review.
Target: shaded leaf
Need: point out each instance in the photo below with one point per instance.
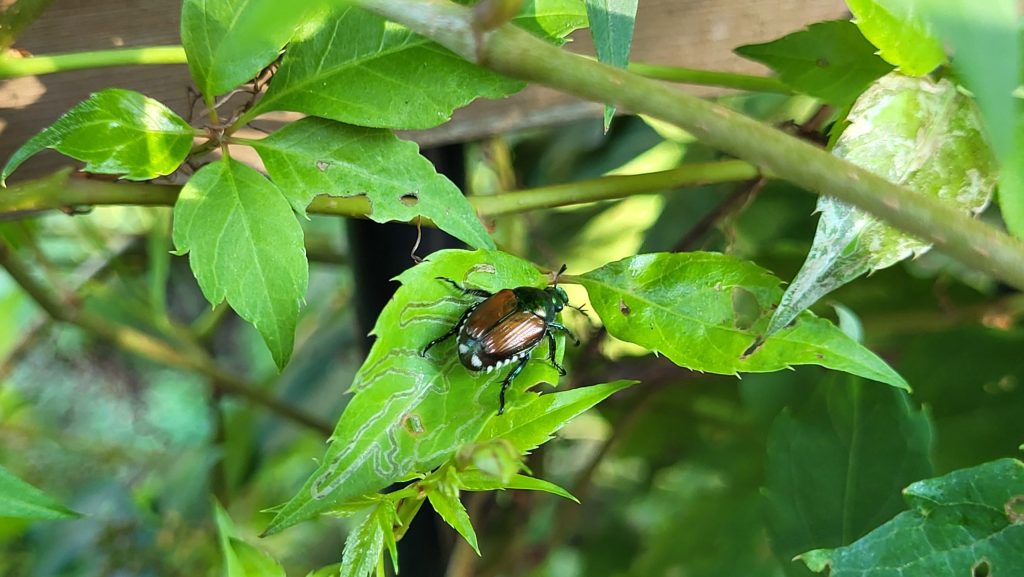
(837, 463)
(115, 132)
(903, 36)
(478, 481)
(958, 522)
(412, 413)
(924, 136)
(315, 156)
(444, 498)
(246, 247)
(361, 70)
(531, 424)
(611, 27)
(228, 42)
(20, 500)
(240, 558)
(681, 305)
(828, 60)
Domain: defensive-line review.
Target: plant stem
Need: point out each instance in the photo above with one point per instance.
(711, 78)
(515, 53)
(146, 345)
(48, 64)
(59, 191)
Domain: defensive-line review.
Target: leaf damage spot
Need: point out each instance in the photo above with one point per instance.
(410, 199)
(624, 308)
(1014, 509)
(322, 165)
(823, 62)
(413, 424)
(981, 569)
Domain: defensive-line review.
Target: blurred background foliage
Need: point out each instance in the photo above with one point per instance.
(685, 475)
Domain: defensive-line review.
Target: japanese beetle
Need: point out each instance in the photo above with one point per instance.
(505, 327)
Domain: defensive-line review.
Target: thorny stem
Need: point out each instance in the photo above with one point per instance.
(146, 345)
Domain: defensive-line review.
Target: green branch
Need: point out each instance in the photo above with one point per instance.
(60, 191)
(711, 78)
(515, 53)
(143, 344)
(48, 64)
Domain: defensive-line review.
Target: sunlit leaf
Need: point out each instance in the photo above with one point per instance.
(20, 500)
(412, 413)
(913, 132)
(444, 498)
(478, 481)
(532, 423)
(229, 41)
(903, 36)
(361, 70)
(364, 544)
(682, 306)
(611, 27)
(246, 247)
(315, 156)
(837, 463)
(115, 132)
(959, 524)
(829, 60)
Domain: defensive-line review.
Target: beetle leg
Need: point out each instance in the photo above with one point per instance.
(560, 327)
(552, 349)
(448, 334)
(466, 291)
(508, 382)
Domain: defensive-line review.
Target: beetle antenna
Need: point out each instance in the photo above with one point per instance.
(554, 282)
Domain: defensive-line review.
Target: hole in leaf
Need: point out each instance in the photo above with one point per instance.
(981, 569)
(745, 308)
(410, 199)
(322, 165)
(624, 308)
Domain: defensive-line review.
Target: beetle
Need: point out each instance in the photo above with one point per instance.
(505, 327)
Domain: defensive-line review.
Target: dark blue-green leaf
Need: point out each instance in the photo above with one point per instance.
(828, 60)
(836, 464)
(959, 523)
(115, 132)
(246, 247)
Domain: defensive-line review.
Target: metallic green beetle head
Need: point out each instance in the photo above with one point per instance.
(558, 297)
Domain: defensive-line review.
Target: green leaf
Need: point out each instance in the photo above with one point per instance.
(684, 306)
(959, 522)
(611, 27)
(115, 132)
(903, 36)
(828, 60)
(411, 413)
(315, 156)
(552, 20)
(478, 481)
(915, 133)
(985, 39)
(240, 558)
(836, 464)
(364, 544)
(388, 519)
(228, 42)
(246, 246)
(361, 70)
(531, 424)
(20, 500)
(327, 571)
(444, 498)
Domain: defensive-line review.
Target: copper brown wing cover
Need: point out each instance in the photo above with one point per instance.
(490, 312)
